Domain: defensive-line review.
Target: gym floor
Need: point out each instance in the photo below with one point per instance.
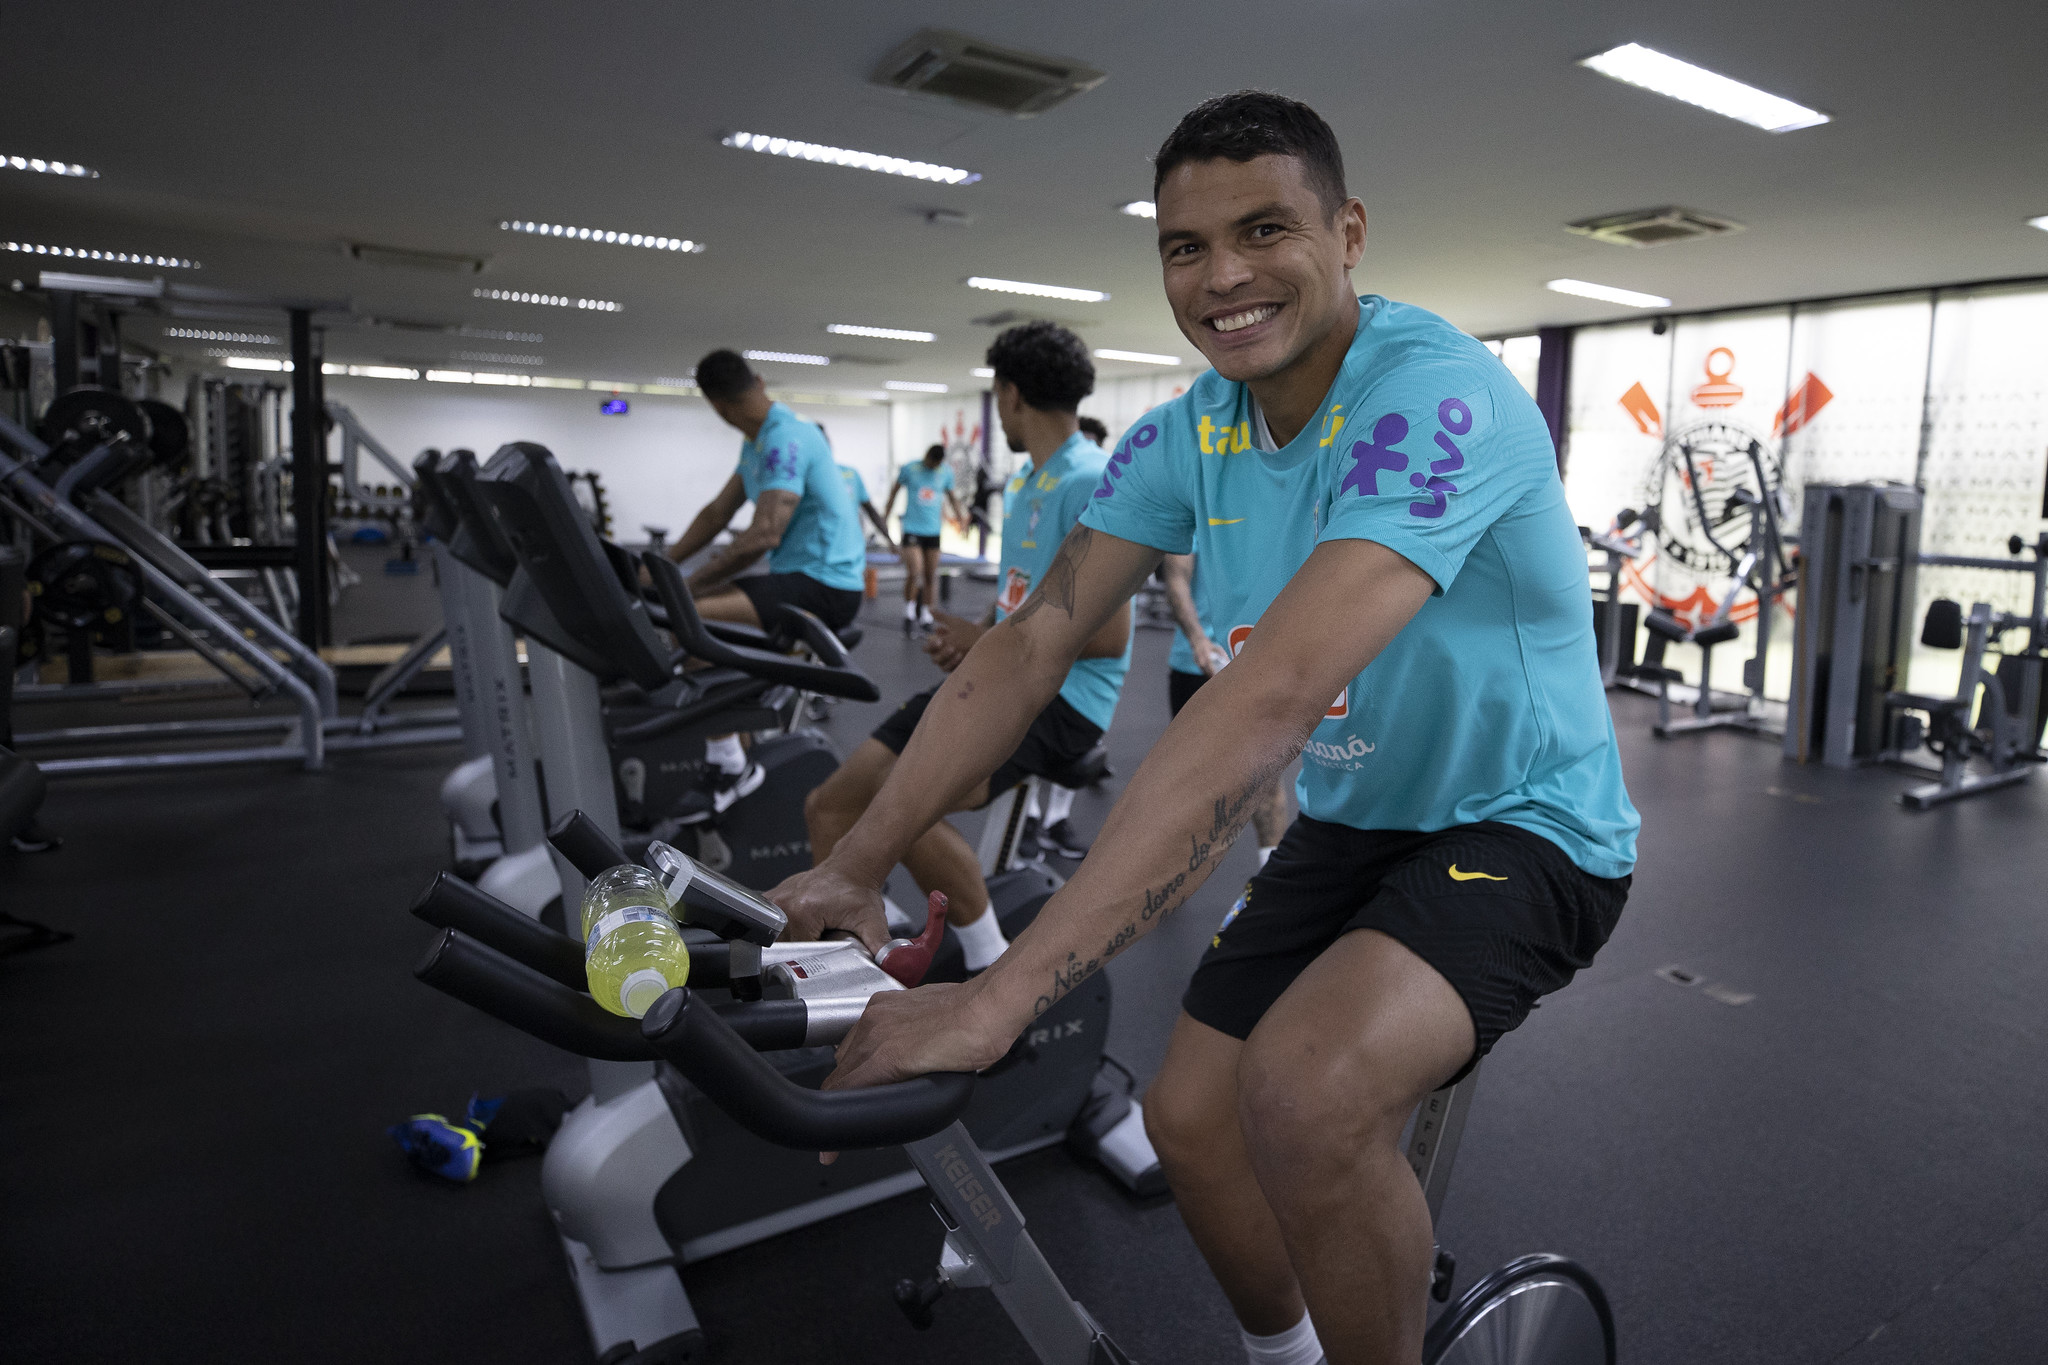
(1825, 1148)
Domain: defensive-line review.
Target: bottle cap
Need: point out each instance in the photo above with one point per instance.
(639, 991)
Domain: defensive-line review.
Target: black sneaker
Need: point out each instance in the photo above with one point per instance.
(1028, 845)
(716, 792)
(1062, 840)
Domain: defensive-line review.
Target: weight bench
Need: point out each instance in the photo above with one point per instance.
(1666, 630)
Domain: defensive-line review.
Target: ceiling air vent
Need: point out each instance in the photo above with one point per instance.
(1653, 227)
(444, 262)
(941, 62)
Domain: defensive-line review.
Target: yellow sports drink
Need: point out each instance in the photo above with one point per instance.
(632, 953)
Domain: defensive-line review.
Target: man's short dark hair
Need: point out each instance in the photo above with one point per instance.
(1255, 123)
(1048, 364)
(724, 375)
(935, 449)
(1092, 428)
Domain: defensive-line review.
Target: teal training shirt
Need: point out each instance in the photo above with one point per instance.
(924, 493)
(1488, 704)
(855, 489)
(1039, 507)
(1181, 658)
(823, 538)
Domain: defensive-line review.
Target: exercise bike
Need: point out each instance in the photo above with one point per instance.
(647, 1176)
(1536, 1309)
(546, 573)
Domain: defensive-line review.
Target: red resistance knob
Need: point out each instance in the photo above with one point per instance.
(907, 959)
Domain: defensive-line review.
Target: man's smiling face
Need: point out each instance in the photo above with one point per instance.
(1257, 269)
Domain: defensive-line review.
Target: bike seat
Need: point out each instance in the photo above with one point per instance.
(1085, 771)
(849, 635)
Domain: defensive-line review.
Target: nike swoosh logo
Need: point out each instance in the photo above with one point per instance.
(1458, 876)
(1218, 521)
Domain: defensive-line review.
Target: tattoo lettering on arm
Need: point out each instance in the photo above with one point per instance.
(1058, 587)
(1230, 814)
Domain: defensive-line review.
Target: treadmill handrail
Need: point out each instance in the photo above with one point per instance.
(697, 1041)
(840, 680)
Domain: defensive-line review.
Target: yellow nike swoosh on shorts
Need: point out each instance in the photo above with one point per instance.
(1219, 521)
(1458, 876)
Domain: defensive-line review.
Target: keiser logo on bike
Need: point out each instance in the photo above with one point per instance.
(961, 1176)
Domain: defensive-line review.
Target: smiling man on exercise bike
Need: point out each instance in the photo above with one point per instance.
(1382, 500)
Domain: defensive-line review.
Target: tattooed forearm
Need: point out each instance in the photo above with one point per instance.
(1058, 588)
(1229, 815)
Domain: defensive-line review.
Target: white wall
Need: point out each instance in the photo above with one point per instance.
(660, 462)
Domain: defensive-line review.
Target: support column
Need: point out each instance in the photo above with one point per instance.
(309, 485)
(1554, 383)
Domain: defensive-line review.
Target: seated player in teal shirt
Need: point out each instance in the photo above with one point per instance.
(1042, 372)
(1383, 503)
(804, 521)
(926, 486)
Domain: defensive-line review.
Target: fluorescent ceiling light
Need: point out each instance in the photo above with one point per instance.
(542, 381)
(478, 377)
(982, 372)
(1044, 291)
(840, 156)
(912, 386)
(788, 357)
(1140, 208)
(486, 334)
(1650, 69)
(1607, 293)
(377, 372)
(2041, 222)
(602, 235)
(202, 334)
(688, 381)
(38, 164)
(615, 385)
(1141, 357)
(77, 253)
(499, 358)
(847, 329)
(552, 300)
(255, 362)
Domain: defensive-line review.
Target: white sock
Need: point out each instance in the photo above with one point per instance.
(1058, 802)
(1265, 852)
(726, 754)
(1031, 805)
(910, 610)
(982, 941)
(1295, 1346)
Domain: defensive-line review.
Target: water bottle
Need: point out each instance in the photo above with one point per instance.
(632, 953)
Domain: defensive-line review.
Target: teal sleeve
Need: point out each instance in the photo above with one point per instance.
(1139, 498)
(1428, 468)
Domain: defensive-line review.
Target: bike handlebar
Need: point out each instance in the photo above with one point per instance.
(701, 1044)
(833, 679)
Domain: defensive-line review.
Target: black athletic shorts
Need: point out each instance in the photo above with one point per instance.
(921, 542)
(836, 607)
(1501, 913)
(1180, 686)
(1058, 737)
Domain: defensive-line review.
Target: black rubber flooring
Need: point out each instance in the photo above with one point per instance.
(1829, 1148)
